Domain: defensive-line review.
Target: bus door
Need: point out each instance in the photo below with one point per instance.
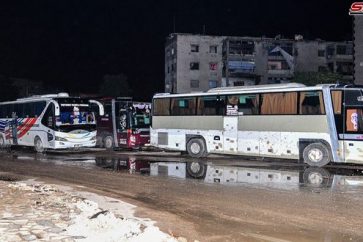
(352, 132)
(122, 123)
(230, 131)
(353, 135)
(14, 128)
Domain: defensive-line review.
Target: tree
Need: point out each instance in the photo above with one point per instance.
(314, 78)
(115, 86)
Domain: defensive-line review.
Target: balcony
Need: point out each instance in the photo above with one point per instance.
(280, 72)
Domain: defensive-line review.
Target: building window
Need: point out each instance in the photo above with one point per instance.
(330, 50)
(248, 47)
(194, 65)
(213, 66)
(322, 69)
(212, 83)
(344, 49)
(345, 68)
(194, 48)
(321, 53)
(238, 83)
(194, 83)
(213, 49)
(331, 67)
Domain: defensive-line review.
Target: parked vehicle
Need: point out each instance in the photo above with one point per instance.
(55, 121)
(126, 124)
(316, 125)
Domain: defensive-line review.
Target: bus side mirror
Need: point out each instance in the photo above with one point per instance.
(101, 111)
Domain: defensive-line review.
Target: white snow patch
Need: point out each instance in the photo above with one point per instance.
(106, 227)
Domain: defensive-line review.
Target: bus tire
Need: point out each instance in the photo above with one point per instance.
(316, 154)
(2, 142)
(99, 142)
(316, 177)
(196, 148)
(196, 169)
(38, 145)
(108, 142)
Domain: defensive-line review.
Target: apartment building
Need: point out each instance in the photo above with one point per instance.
(318, 55)
(200, 62)
(193, 63)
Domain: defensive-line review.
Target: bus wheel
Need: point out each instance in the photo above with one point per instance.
(316, 154)
(108, 142)
(2, 142)
(196, 148)
(196, 169)
(316, 177)
(99, 142)
(38, 145)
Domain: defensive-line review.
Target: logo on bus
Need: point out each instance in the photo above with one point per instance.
(356, 8)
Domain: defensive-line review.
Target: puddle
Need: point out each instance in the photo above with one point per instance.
(236, 174)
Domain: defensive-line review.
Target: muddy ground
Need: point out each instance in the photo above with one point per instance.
(218, 209)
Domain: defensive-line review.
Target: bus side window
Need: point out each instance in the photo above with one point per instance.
(161, 107)
(232, 105)
(248, 104)
(221, 105)
(38, 108)
(48, 118)
(2, 111)
(183, 106)
(207, 105)
(311, 103)
(279, 103)
(108, 110)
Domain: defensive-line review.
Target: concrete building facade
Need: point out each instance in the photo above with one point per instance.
(200, 62)
(358, 49)
(318, 56)
(192, 63)
(250, 61)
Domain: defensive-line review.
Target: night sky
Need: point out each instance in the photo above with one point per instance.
(72, 44)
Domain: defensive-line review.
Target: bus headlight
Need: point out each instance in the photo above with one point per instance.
(57, 138)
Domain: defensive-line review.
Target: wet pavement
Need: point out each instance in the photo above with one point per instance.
(216, 199)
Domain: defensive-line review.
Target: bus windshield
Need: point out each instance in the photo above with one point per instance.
(75, 113)
(140, 120)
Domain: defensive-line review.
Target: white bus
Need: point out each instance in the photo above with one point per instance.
(54, 121)
(316, 125)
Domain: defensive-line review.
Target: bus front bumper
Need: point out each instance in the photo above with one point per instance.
(73, 145)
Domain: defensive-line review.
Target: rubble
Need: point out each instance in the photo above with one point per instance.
(41, 212)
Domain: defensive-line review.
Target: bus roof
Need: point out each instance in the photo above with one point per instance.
(250, 89)
(38, 98)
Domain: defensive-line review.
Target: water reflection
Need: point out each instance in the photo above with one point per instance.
(132, 165)
(289, 178)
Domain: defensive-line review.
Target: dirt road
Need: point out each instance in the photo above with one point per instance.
(217, 207)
